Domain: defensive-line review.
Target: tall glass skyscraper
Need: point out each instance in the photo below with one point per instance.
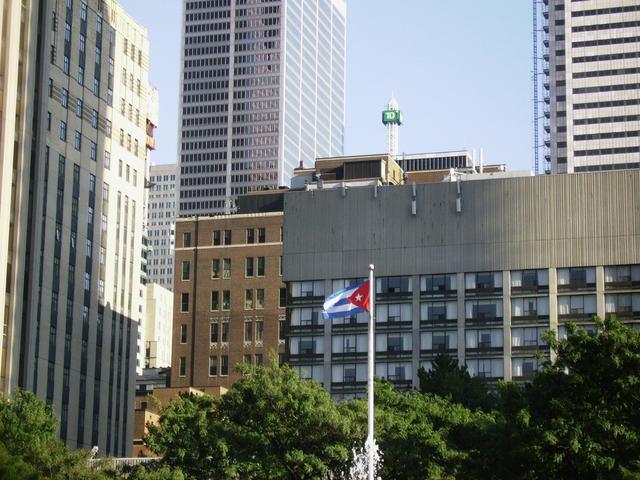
(263, 88)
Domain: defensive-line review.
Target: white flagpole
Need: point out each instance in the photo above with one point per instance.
(371, 371)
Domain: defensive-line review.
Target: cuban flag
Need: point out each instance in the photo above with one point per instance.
(348, 301)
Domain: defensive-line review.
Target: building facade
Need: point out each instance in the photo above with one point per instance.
(158, 326)
(76, 233)
(471, 269)
(228, 297)
(161, 224)
(263, 87)
(592, 99)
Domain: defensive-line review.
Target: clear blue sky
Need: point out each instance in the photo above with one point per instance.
(460, 69)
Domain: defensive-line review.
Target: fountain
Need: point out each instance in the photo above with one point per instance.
(359, 469)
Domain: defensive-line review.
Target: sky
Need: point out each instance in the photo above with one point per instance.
(460, 70)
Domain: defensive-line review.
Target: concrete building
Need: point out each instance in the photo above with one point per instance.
(592, 100)
(161, 223)
(158, 326)
(472, 269)
(228, 293)
(75, 74)
(263, 87)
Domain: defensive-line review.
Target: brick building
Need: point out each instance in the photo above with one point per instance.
(229, 297)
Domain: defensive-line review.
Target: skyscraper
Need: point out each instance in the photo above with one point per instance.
(593, 82)
(73, 164)
(263, 88)
(161, 223)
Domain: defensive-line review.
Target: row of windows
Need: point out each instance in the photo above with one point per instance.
(606, 73)
(606, 104)
(606, 41)
(601, 58)
(607, 167)
(606, 151)
(525, 280)
(606, 26)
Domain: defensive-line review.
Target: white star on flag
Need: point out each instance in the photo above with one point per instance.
(358, 298)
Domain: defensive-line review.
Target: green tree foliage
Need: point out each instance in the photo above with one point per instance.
(14, 468)
(448, 379)
(28, 438)
(580, 417)
(423, 436)
(269, 425)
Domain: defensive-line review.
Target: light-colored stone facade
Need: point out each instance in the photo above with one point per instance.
(158, 326)
(161, 223)
(592, 84)
(79, 192)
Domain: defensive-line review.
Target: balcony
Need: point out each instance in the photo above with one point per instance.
(624, 283)
(483, 291)
(306, 298)
(484, 349)
(306, 356)
(393, 353)
(624, 313)
(484, 320)
(576, 316)
(151, 142)
(531, 348)
(306, 327)
(440, 292)
(530, 317)
(438, 350)
(576, 285)
(348, 355)
(438, 321)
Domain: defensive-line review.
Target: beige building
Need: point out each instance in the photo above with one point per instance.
(592, 85)
(158, 326)
(475, 269)
(73, 165)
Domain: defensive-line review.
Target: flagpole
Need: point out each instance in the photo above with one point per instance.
(370, 373)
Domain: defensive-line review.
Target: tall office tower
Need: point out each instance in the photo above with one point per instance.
(593, 116)
(75, 73)
(263, 88)
(161, 223)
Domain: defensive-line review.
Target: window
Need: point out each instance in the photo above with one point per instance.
(261, 235)
(439, 312)
(94, 119)
(182, 366)
(186, 239)
(525, 367)
(216, 237)
(260, 266)
(226, 267)
(282, 301)
(186, 270)
(96, 87)
(248, 331)
(184, 302)
(307, 289)
(393, 312)
(48, 121)
(622, 276)
(576, 278)
(227, 237)
(281, 234)
(225, 331)
(527, 337)
(576, 306)
(250, 235)
(64, 98)
(483, 281)
(213, 366)
(246, 358)
(280, 266)
(393, 285)
(93, 151)
(78, 108)
(213, 331)
(483, 310)
(80, 75)
(224, 367)
(260, 298)
(282, 328)
(248, 271)
(215, 268)
(486, 368)
(622, 304)
(529, 308)
(226, 300)
(484, 339)
(50, 89)
(248, 299)
(63, 131)
(107, 128)
(439, 341)
(77, 140)
(393, 342)
(259, 330)
(215, 300)
(183, 333)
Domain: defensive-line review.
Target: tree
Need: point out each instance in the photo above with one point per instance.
(14, 468)
(190, 435)
(448, 379)
(580, 417)
(28, 435)
(269, 425)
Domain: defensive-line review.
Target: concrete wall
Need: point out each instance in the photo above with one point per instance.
(504, 224)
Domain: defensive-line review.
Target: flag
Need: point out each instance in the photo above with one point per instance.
(348, 301)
